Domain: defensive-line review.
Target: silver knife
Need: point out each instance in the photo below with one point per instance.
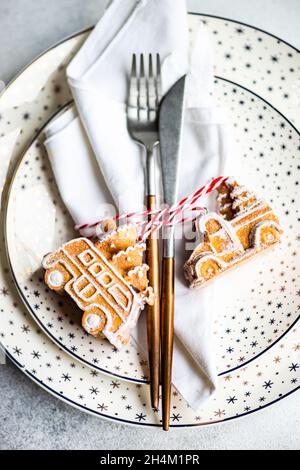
(170, 133)
(170, 137)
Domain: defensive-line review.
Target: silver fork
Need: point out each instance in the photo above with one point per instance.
(142, 121)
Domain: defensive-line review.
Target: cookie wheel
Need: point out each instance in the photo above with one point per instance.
(266, 233)
(94, 321)
(56, 277)
(207, 267)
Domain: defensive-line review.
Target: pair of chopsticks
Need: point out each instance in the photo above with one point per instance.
(142, 121)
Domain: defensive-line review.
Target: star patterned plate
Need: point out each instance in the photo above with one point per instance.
(24, 108)
(264, 308)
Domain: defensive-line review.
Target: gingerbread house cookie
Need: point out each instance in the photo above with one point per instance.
(242, 227)
(107, 280)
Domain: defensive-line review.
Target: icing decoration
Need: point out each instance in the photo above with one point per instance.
(111, 292)
(243, 226)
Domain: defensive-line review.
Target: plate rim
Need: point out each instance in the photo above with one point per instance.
(90, 28)
(27, 304)
(207, 15)
(134, 423)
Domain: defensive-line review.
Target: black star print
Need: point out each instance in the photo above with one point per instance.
(102, 407)
(17, 351)
(36, 355)
(293, 367)
(175, 417)
(94, 391)
(268, 384)
(231, 400)
(66, 377)
(25, 329)
(94, 373)
(4, 291)
(115, 384)
(230, 350)
(140, 417)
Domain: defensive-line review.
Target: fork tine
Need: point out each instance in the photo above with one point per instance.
(143, 108)
(133, 91)
(133, 66)
(151, 92)
(150, 66)
(158, 79)
(142, 66)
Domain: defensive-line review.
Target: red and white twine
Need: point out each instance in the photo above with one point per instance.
(162, 217)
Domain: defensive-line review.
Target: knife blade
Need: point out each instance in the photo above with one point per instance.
(170, 133)
(170, 136)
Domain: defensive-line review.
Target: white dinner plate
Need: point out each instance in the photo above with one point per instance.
(259, 384)
(262, 310)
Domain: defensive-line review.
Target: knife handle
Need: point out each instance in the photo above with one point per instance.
(153, 311)
(167, 335)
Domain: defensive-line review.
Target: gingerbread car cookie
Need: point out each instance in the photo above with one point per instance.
(242, 227)
(107, 280)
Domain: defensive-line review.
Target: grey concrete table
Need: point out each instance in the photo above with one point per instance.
(32, 419)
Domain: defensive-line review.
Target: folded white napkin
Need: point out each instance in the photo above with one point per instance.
(93, 153)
